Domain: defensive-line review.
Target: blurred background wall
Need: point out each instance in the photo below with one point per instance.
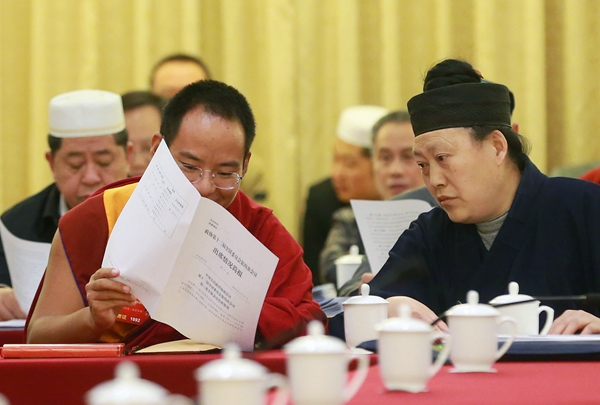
(300, 62)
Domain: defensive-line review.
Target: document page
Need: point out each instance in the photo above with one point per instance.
(151, 228)
(381, 223)
(188, 260)
(27, 262)
(219, 281)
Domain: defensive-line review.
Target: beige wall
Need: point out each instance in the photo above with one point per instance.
(300, 62)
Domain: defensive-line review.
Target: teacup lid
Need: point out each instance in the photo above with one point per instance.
(316, 342)
(364, 297)
(404, 323)
(352, 258)
(231, 367)
(512, 296)
(127, 388)
(472, 307)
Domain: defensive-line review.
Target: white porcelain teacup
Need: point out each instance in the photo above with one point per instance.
(126, 388)
(474, 332)
(346, 266)
(527, 315)
(235, 380)
(317, 368)
(405, 352)
(361, 316)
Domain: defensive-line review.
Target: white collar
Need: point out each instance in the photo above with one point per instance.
(62, 205)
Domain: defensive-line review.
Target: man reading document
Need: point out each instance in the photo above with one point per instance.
(209, 128)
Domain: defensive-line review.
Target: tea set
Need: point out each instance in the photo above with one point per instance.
(318, 364)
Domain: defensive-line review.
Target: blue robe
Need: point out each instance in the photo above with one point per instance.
(549, 244)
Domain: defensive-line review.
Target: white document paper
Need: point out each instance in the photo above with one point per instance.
(12, 324)
(27, 262)
(188, 260)
(381, 223)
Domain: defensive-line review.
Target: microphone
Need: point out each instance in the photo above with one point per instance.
(589, 298)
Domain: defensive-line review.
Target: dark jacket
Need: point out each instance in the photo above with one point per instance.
(34, 219)
(549, 244)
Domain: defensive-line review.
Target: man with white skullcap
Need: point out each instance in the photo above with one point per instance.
(351, 179)
(88, 150)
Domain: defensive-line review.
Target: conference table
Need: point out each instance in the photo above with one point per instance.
(66, 380)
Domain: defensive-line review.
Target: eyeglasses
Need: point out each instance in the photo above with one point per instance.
(221, 180)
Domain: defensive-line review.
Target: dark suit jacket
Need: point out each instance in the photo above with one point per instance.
(321, 203)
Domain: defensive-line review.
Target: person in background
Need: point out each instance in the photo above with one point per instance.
(208, 127)
(574, 171)
(143, 112)
(500, 219)
(394, 171)
(88, 150)
(351, 178)
(592, 175)
(176, 71)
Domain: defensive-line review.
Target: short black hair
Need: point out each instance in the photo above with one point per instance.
(136, 99)
(55, 142)
(214, 97)
(179, 57)
(399, 117)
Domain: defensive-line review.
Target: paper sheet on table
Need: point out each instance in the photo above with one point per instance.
(381, 223)
(27, 262)
(12, 324)
(188, 260)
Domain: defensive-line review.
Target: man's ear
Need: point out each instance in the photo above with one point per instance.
(156, 138)
(50, 159)
(128, 152)
(246, 163)
(500, 145)
(515, 127)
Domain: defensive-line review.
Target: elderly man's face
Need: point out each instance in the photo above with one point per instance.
(394, 165)
(464, 175)
(209, 142)
(83, 165)
(352, 174)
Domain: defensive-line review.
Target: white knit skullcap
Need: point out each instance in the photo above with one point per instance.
(84, 113)
(356, 123)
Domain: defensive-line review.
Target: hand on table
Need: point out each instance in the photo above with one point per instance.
(419, 311)
(106, 297)
(365, 279)
(571, 322)
(9, 307)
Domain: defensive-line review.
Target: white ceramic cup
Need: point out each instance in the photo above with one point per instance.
(126, 388)
(405, 352)
(362, 314)
(527, 315)
(317, 369)
(234, 380)
(346, 266)
(474, 332)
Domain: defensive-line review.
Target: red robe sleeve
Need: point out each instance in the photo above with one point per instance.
(289, 304)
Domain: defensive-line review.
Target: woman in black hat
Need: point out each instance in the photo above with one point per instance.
(500, 219)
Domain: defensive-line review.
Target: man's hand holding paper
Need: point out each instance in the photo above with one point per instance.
(106, 297)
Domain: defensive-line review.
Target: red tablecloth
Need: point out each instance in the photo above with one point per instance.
(12, 335)
(65, 381)
(571, 383)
